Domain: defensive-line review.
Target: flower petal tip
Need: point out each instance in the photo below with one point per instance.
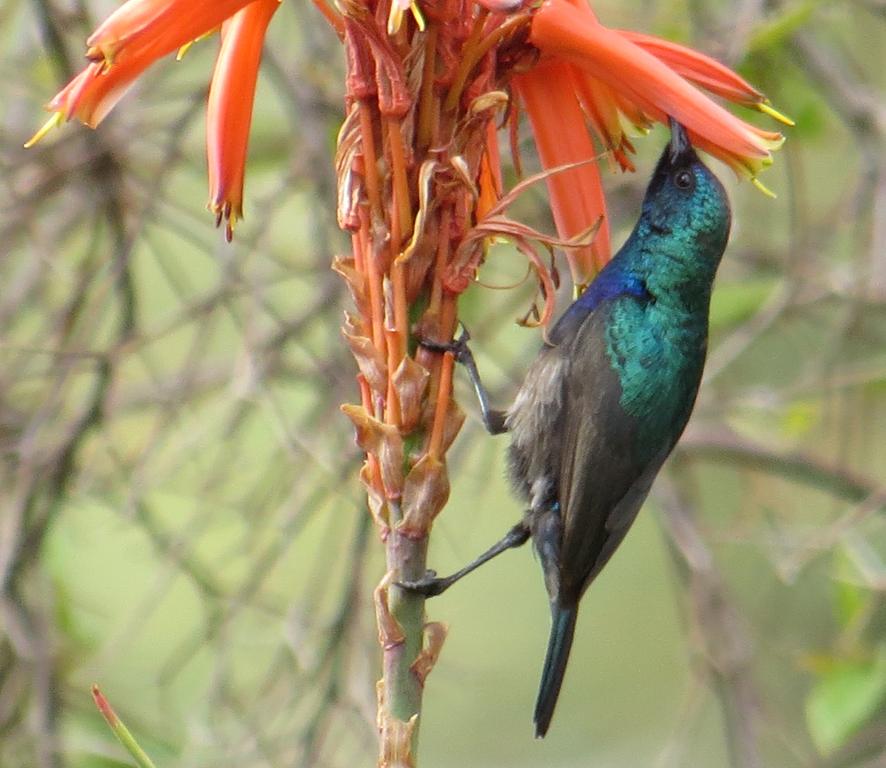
(419, 17)
(228, 213)
(773, 144)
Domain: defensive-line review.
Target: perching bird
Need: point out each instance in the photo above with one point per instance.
(609, 395)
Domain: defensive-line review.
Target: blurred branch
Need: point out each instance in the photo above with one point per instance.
(717, 631)
(42, 480)
(856, 103)
(868, 745)
(332, 655)
(862, 109)
(725, 447)
(51, 29)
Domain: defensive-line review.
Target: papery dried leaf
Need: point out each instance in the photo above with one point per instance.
(471, 251)
(410, 382)
(545, 278)
(536, 178)
(355, 325)
(369, 430)
(489, 100)
(356, 281)
(463, 174)
(435, 635)
(463, 267)
(370, 362)
(396, 741)
(390, 633)
(425, 493)
(350, 184)
(379, 702)
(390, 461)
(419, 270)
(384, 442)
(375, 498)
(425, 201)
(394, 97)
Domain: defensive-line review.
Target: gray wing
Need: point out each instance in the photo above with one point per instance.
(601, 486)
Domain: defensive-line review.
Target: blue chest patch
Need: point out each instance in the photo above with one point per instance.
(611, 283)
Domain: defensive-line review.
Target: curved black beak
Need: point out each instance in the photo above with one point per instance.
(680, 144)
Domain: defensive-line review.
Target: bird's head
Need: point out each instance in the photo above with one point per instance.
(685, 200)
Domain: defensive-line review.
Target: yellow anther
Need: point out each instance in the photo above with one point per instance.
(53, 121)
(767, 109)
(763, 188)
(418, 16)
(187, 46)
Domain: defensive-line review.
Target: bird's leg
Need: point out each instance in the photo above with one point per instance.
(432, 585)
(493, 420)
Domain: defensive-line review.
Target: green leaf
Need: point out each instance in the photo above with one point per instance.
(844, 699)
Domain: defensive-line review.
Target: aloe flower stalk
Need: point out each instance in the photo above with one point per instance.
(428, 88)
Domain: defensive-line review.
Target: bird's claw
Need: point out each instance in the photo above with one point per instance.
(428, 586)
(458, 347)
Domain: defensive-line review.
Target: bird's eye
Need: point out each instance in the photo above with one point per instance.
(684, 180)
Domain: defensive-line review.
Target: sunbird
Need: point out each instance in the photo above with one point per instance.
(609, 395)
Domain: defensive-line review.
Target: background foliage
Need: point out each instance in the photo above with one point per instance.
(180, 516)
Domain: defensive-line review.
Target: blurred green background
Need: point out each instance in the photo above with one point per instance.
(181, 520)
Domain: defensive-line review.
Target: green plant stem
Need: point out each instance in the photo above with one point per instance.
(406, 557)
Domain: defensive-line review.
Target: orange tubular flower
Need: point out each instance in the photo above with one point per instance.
(90, 95)
(577, 201)
(139, 33)
(588, 77)
(699, 69)
(590, 74)
(156, 27)
(229, 113)
(572, 32)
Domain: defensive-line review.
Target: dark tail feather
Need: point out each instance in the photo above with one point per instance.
(559, 644)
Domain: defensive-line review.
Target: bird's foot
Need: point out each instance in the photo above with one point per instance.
(430, 585)
(458, 347)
